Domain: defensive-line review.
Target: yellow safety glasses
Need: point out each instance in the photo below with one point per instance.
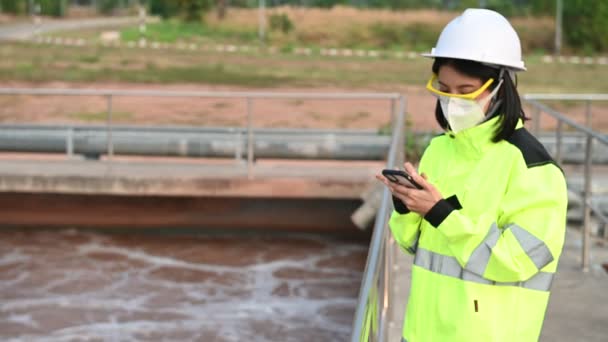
(433, 87)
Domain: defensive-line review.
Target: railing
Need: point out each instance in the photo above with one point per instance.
(373, 295)
(370, 323)
(248, 97)
(588, 206)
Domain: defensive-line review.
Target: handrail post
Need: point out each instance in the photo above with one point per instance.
(393, 111)
(110, 144)
(403, 137)
(586, 202)
(238, 153)
(69, 141)
(588, 113)
(386, 315)
(388, 256)
(558, 143)
(379, 262)
(250, 149)
(388, 280)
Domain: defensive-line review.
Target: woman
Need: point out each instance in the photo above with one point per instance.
(488, 226)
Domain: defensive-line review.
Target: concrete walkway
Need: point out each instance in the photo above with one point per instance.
(578, 308)
(27, 30)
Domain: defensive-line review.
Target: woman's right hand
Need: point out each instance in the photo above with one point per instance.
(419, 201)
(395, 188)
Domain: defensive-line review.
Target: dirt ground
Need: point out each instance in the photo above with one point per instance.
(293, 113)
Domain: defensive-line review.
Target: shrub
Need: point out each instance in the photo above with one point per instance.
(191, 10)
(281, 22)
(14, 6)
(415, 35)
(55, 8)
(107, 6)
(536, 38)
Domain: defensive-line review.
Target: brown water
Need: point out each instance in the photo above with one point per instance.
(86, 286)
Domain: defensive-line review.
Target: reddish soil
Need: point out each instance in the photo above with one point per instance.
(232, 112)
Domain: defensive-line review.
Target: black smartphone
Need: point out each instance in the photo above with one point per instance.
(401, 177)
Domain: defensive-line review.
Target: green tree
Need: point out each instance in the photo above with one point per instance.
(163, 8)
(585, 24)
(191, 10)
(107, 6)
(326, 3)
(542, 7)
(14, 6)
(55, 8)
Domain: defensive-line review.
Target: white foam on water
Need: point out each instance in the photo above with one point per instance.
(235, 303)
(22, 319)
(13, 257)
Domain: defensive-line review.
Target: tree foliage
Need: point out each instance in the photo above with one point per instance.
(585, 24)
(14, 6)
(191, 10)
(54, 8)
(107, 6)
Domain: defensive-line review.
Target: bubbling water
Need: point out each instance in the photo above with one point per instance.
(74, 285)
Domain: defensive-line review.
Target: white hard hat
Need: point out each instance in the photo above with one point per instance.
(483, 36)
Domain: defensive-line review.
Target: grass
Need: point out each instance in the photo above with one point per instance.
(339, 27)
(80, 65)
(172, 31)
(100, 116)
(296, 102)
(221, 105)
(34, 63)
(89, 59)
(315, 115)
(348, 118)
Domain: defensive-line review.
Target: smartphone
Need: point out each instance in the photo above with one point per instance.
(401, 177)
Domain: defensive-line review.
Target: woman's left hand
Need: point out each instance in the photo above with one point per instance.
(419, 201)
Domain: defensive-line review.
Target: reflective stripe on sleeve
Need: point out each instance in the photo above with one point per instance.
(449, 266)
(481, 255)
(534, 248)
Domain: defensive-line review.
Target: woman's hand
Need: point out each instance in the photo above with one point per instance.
(419, 201)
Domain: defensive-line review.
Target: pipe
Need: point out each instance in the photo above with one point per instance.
(220, 145)
(224, 142)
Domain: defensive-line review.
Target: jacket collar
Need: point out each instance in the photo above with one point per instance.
(475, 140)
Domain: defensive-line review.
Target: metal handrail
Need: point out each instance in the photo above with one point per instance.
(566, 97)
(591, 135)
(561, 117)
(190, 93)
(190, 129)
(379, 263)
(249, 98)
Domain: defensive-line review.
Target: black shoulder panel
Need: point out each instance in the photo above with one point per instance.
(533, 151)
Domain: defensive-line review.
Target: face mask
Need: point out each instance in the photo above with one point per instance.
(464, 113)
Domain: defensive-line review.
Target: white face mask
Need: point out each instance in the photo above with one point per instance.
(464, 113)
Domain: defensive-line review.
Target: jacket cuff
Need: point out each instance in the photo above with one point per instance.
(400, 207)
(439, 212)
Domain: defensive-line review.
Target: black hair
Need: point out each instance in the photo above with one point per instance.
(509, 104)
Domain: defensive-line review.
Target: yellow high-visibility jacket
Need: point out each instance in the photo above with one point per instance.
(486, 254)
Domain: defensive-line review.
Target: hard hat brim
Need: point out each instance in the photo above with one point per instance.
(497, 64)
